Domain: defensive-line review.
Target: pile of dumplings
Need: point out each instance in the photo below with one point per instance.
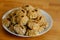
(26, 20)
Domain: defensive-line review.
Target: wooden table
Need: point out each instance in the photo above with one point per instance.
(52, 7)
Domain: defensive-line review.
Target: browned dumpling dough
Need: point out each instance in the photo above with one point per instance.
(13, 20)
(20, 29)
(11, 28)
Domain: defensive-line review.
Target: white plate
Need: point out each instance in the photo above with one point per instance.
(48, 17)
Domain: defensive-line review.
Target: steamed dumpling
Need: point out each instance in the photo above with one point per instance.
(6, 22)
(42, 20)
(21, 12)
(28, 7)
(31, 33)
(11, 28)
(24, 20)
(33, 25)
(20, 29)
(32, 14)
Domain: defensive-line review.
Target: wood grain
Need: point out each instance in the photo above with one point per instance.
(50, 6)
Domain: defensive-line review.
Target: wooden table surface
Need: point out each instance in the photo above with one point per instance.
(50, 6)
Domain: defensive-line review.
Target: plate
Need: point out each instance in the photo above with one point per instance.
(48, 18)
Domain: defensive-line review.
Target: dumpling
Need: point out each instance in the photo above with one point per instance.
(40, 29)
(31, 33)
(28, 7)
(32, 14)
(11, 28)
(38, 12)
(13, 13)
(21, 12)
(43, 22)
(24, 20)
(20, 29)
(33, 25)
(6, 22)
